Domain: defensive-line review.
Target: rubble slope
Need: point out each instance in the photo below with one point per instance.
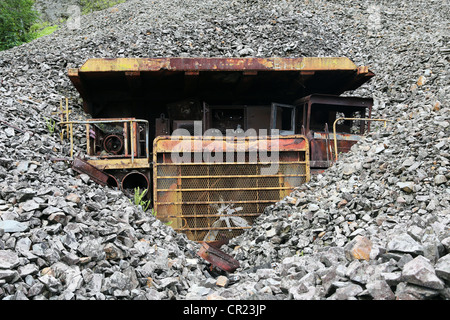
(374, 226)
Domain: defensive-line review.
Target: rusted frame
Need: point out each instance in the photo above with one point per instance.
(345, 102)
(133, 122)
(273, 117)
(95, 173)
(220, 64)
(170, 198)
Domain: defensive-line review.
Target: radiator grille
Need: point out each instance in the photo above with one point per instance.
(216, 201)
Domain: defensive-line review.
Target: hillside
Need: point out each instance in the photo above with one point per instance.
(64, 237)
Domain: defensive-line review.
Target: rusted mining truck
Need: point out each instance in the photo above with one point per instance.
(216, 140)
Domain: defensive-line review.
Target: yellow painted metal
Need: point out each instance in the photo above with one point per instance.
(211, 64)
(128, 162)
(120, 163)
(362, 119)
(242, 175)
(61, 113)
(88, 141)
(210, 200)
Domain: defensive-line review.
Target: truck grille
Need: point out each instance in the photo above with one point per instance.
(214, 201)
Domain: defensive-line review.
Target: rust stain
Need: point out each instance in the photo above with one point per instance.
(219, 64)
(218, 258)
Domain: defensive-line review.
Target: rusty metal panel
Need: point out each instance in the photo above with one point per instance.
(162, 126)
(128, 83)
(219, 64)
(120, 163)
(211, 201)
(129, 150)
(322, 149)
(94, 173)
(218, 258)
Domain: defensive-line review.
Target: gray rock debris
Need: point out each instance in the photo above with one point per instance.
(78, 240)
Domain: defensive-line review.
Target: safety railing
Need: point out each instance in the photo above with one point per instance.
(361, 119)
(131, 122)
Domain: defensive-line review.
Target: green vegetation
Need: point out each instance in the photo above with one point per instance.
(138, 199)
(51, 125)
(16, 19)
(20, 23)
(88, 6)
(168, 223)
(43, 29)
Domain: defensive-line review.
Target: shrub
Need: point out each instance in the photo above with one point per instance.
(16, 19)
(42, 29)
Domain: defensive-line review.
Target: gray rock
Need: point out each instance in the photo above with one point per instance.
(36, 289)
(380, 290)
(351, 168)
(347, 292)
(359, 272)
(408, 187)
(404, 243)
(22, 166)
(442, 267)
(23, 246)
(25, 194)
(113, 252)
(13, 226)
(8, 259)
(439, 179)
(303, 292)
(118, 280)
(152, 294)
(70, 258)
(9, 276)
(92, 248)
(197, 292)
(29, 205)
(420, 271)
(407, 291)
(170, 281)
(392, 278)
(28, 269)
(51, 283)
(73, 279)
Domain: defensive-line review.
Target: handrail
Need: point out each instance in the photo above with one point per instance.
(93, 121)
(327, 142)
(338, 119)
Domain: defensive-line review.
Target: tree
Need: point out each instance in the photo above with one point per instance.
(16, 19)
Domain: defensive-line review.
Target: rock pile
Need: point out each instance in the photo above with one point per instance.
(62, 236)
(374, 226)
(361, 234)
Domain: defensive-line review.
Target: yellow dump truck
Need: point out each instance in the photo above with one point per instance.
(216, 140)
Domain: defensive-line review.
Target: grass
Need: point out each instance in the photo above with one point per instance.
(51, 125)
(41, 28)
(138, 199)
(46, 31)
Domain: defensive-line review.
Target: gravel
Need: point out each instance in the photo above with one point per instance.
(373, 226)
